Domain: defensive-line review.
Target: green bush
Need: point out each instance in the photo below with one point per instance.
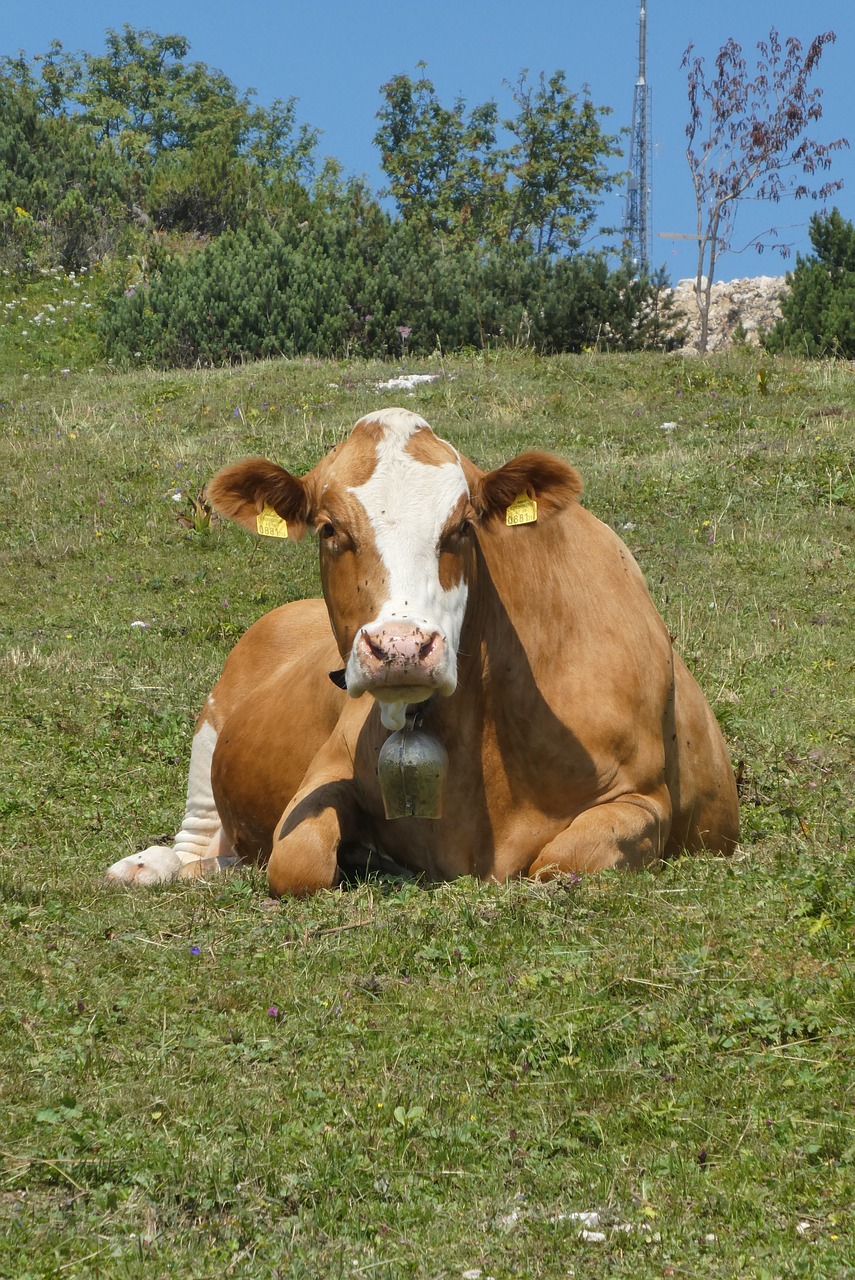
(356, 282)
(819, 311)
(63, 199)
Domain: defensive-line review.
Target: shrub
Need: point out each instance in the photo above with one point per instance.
(819, 311)
(62, 198)
(360, 283)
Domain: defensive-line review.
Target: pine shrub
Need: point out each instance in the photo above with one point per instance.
(339, 284)
(819, 310)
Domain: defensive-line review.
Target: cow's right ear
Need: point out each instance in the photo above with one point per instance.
(254, 492)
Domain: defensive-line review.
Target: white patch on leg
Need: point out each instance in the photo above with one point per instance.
(201, 820)
(201, 825)
(155, 865)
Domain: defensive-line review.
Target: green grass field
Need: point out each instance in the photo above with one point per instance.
(393, 1081)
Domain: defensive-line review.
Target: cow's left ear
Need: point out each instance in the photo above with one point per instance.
(254, 492)
(552, 483)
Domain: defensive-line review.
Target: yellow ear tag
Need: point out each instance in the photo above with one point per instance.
(523, 510)
(271, 525)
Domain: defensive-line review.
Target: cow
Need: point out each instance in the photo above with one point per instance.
(498, 610)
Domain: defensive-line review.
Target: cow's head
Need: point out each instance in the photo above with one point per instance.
(394, 508)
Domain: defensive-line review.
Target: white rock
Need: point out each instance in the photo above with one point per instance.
(406, 382)
(753, 303)
(585, 1218)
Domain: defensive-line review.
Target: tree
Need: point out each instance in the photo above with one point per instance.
(447, 171)
(62, 198)
(819, 309)
(747, 133)
(555, 171)
(440, 165)
(199, 154)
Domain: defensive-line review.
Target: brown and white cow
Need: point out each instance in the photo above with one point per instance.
(577, 739)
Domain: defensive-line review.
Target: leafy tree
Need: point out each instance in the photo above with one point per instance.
(555, 170)
(199, 154)
(439, 163)
(447, 171)
(747, 133)
(819, 310)
(62, 198)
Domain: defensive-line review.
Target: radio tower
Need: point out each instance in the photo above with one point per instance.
(637, 231)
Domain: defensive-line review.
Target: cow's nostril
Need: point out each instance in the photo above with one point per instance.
(374, 649)
(428, 645)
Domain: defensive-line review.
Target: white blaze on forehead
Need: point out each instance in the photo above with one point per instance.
(402, 421)
(408, 503)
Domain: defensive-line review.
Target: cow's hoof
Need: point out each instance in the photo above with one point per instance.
(155, 865)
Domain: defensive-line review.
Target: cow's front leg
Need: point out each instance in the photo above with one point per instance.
(304, 856)
(200, 848)
(628, 832)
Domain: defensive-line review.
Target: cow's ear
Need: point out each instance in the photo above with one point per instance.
(255, 492)
(552, 483)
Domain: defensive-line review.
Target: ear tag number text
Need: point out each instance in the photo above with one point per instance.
(523, 510)
(271, 525)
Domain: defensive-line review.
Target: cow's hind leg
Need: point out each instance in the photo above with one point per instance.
(628, 832)
(200, 847)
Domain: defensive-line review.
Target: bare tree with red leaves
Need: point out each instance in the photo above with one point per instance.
(747, 134)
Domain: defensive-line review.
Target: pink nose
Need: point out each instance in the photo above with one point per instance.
(400, 654)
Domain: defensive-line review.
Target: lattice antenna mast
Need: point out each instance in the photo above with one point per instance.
(637, 227)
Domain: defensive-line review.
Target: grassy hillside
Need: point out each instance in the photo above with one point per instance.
(392, 1081)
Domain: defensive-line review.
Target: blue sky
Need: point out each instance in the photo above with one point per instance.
(333, 56)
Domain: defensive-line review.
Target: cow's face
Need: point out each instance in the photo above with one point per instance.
(394, 516)
(394, 523)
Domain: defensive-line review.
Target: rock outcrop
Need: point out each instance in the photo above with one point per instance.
(740, 310)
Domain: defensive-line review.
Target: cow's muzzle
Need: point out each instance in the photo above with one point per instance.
(400, 655)
(392, 657)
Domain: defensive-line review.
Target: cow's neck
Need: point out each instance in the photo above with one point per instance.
(495, 673)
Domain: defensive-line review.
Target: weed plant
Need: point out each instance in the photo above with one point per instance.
(392, 1080)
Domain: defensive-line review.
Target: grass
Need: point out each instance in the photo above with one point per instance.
(390, 1081)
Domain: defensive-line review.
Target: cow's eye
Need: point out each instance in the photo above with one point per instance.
(327, 530)
(455, 536)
